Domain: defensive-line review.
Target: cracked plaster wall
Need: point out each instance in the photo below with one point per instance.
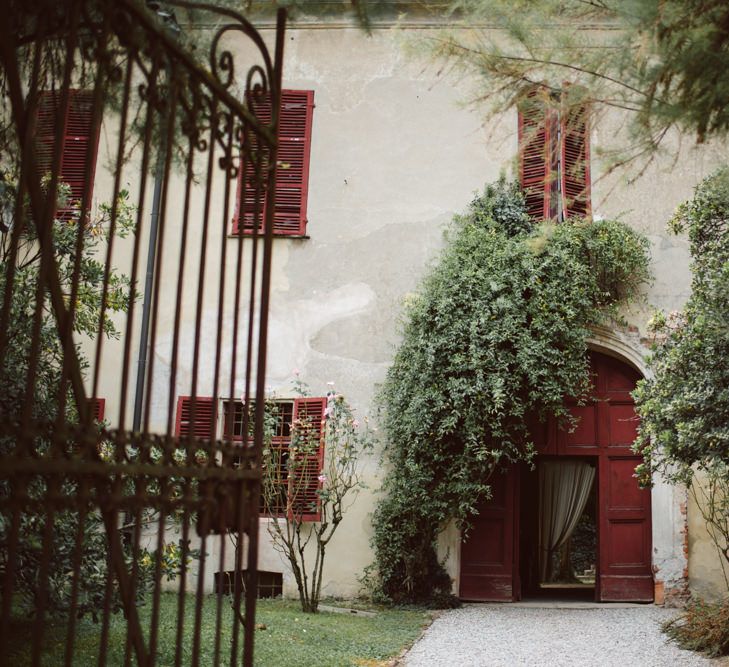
(395, 153)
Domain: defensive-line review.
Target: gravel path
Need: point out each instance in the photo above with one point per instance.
(509, 635)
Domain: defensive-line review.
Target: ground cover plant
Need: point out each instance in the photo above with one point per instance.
(702, 627)
(289, 637)
(495, 336)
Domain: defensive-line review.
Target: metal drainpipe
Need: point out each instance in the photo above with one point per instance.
(148, 284)
(168, 19)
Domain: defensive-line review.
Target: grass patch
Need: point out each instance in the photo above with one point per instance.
(290, 638)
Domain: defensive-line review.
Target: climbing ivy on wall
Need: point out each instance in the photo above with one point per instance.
(495, 336)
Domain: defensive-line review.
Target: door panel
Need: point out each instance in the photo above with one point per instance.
(615, 377)
(625, 532)
(583, 439)
(623, 425)
(543, 435)
(489, 552)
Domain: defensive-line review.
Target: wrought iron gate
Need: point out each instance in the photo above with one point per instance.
(120, 144)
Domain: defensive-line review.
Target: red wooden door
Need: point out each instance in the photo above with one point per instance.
(606, 429)
(624, 509)
(489, 554)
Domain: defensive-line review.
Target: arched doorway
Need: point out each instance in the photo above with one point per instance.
(492, 562)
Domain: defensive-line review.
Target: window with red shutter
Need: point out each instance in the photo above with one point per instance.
(292, 169)
(554, 159)
(80, 140)
(296, 452)
(196, 417)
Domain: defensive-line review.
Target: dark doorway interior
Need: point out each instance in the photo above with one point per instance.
(568, 571)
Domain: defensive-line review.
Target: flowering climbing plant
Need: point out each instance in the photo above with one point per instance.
(337, 480)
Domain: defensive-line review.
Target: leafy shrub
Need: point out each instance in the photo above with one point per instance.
(74, 540)
(684, 407)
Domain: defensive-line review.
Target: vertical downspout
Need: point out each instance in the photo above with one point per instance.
(169, 21)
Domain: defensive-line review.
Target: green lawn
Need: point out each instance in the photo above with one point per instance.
(291, 638)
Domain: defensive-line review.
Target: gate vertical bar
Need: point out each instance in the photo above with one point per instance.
(252, 583)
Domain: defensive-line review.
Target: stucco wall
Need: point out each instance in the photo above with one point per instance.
(707, 570)
(395, 154)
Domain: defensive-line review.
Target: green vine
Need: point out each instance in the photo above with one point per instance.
(495, 336)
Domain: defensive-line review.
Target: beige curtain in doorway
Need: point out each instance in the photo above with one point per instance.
(564, 487)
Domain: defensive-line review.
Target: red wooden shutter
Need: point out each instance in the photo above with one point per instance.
(196, 417)
(45, 134)
(97, 406)
(575, 157)
(246, 218)
(292, 168)
(489, 554)
(79, 139)
(535, 155)
(307, 503)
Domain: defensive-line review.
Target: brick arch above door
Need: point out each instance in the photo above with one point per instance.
(626, 346)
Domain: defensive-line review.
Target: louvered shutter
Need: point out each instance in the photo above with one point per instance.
(45, 131)
(534, 156)
(248, 216)
(292, 168)
(306, 503)
(196, 417)
(575, 184)
(79, 139)
(98, 406)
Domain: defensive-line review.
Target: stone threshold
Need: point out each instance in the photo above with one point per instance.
(562, 604)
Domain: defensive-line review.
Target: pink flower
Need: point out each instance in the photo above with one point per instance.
(355, 423)
(296, 372)
(322, 478)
